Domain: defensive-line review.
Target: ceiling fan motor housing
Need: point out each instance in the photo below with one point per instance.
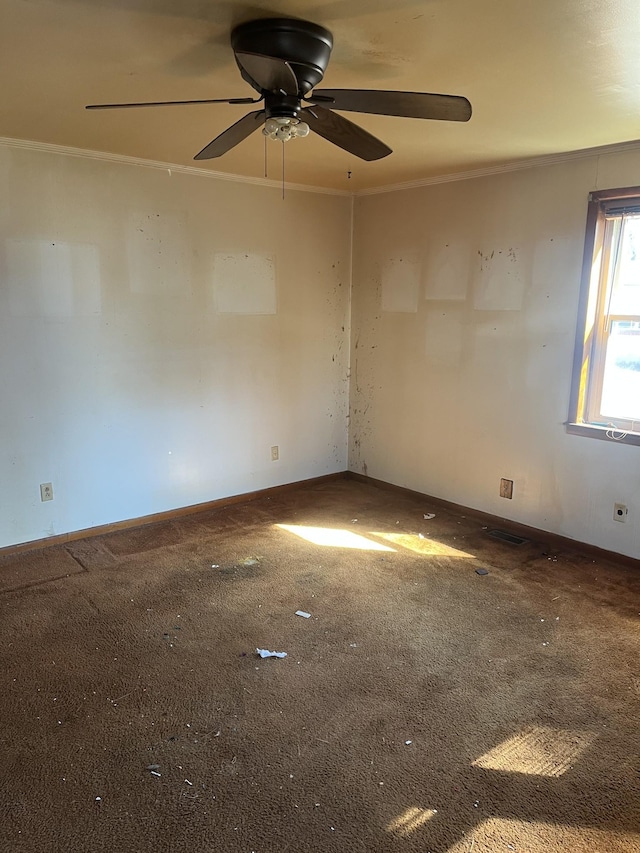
(306, 47)
(280, 106)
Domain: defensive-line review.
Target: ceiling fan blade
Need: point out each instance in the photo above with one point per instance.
(406, 104)
(345, 134)
(173, 103)
(232, 136)
(269, 73)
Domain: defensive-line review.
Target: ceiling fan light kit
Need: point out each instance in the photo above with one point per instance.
(284, 59)
(285, 129)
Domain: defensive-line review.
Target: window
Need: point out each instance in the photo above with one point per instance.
(605, 399)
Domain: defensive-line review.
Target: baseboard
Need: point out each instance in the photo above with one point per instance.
(550, 540)
(168, 515)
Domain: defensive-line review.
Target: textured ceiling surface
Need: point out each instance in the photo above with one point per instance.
(543, 77)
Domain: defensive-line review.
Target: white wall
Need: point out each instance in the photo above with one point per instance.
(158, 333)
(464, 317)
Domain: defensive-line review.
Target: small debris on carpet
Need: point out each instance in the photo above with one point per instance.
(482, 571)
(303, 613)
(265, 653)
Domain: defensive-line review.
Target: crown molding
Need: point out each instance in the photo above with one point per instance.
(500, 169)
(124, 159)
(515, 166)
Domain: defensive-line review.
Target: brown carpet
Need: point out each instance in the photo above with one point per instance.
(422, 707)
(35, 567)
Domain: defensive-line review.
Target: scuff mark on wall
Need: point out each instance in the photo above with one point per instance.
(158, 252)
(501, 281)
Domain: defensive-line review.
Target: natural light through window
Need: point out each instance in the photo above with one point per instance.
(501, 835)
(334, 538)
(537, 751)
(620, 397)
(410, 820)
(428, 547)
(606, 383)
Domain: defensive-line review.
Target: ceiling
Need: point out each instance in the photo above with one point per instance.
(543, 77)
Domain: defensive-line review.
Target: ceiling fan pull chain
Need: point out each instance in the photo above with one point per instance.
(282, 143)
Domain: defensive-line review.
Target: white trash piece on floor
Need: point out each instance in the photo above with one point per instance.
(303, 613)
(265, 653)
(429, 515)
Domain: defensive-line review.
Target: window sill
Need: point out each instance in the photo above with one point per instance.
(614, 436)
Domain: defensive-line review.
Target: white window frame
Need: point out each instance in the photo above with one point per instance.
(595, 322)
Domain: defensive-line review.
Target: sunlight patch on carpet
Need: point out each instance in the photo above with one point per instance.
(496, 833)
(334, 538)
(537, 751)
(409, 821)
(428, 547)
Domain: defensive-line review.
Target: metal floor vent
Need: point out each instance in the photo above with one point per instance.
(511, 538)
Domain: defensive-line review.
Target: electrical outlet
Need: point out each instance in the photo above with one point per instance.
(46, 491)
(275, 453)
(620, 512)
(506, 489)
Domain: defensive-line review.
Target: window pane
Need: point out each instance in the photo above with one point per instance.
(625, 298)
(621, 385)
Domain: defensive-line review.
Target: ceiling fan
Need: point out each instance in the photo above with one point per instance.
(283, 59)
